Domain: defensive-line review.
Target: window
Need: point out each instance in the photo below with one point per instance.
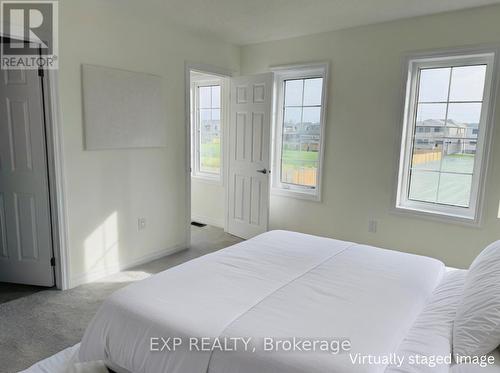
(299, 131)
(207, 130)
(444, 136)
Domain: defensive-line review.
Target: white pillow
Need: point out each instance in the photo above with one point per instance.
(476, 330)
(479, 367)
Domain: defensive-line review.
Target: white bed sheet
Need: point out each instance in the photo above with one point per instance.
(279, 284)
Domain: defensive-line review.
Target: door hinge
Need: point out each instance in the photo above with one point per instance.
(40, 72)
(53, 262)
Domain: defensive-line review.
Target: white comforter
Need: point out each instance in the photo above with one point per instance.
(281, 285)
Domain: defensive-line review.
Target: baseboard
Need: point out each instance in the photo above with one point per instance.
(91, 276)
(219, 223)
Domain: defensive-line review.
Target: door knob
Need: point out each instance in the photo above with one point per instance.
(263, 171)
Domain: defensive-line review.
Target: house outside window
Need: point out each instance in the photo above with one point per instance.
(299, 130)
(207, 131)
(445, 135)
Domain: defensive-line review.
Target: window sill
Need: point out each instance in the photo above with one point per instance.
(442, 217)
(291, 193)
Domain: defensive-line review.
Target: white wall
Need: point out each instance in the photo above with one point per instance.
(363, 123)
(108, 190)
(207, 202)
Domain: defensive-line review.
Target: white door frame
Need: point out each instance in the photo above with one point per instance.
(56, 178)
(211, 70)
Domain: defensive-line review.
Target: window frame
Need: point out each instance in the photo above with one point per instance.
(290, 72)
(196, 172)
(412, 65)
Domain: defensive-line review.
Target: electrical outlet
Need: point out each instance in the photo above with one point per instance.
(372, 225)
(141, 224)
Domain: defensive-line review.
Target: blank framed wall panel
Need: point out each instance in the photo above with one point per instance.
(122, 109)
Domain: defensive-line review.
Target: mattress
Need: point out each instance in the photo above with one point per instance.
(278, 288)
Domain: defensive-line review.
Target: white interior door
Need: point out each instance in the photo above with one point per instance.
(249, 155)
(25, 229)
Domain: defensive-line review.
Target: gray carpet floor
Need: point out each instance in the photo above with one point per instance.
(39, 325)
(10, 292)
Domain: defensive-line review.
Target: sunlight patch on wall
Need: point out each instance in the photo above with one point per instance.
(102, 248)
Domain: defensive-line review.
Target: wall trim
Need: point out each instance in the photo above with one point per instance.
(219, 223)
(92, 276)
(57, 179)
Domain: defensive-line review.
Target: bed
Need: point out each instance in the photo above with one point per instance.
(276, 289)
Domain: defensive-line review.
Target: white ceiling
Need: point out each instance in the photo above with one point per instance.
(252, 21)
